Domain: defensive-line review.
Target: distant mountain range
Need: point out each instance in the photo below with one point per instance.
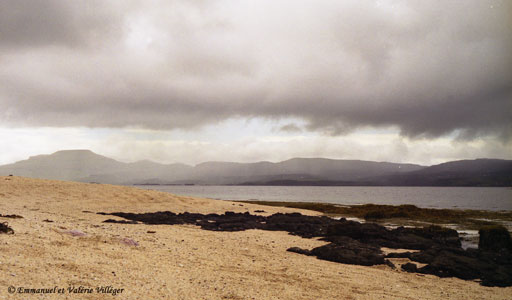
(86, 166)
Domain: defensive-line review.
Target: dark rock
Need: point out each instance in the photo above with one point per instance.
(399, 255)
(493, 268)
(410, 267)
(120, 221)
(426, 237)
(355, 243)
(494, 238)
(389, 264)
(408, 238)
(299, 250)
(297, 224)
(446, 263)
(349, 251)
(358, 231)
(48, 221)
(4, 228)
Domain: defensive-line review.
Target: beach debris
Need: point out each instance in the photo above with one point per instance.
(4, 228)
(11, 216)
(48, 221)
(129, 242)
(150, 231)
(352, 242)
(259, 211)
(75, 232)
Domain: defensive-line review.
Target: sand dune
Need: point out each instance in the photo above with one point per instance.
(177, 262)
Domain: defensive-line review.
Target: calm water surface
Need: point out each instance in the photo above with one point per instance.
(426, 197)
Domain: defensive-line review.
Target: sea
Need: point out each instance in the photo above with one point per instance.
(479, 198)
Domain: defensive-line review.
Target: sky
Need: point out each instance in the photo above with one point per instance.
(211, 80)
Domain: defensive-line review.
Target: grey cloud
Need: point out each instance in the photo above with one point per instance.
(290, 128)
(428, 68)
(32, 23)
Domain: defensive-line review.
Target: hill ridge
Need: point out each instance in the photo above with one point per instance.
(86, 166)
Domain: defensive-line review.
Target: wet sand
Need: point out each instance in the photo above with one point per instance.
(179, 261)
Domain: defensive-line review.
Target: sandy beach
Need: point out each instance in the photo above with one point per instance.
(125, 261)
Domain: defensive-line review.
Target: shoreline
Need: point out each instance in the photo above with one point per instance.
(391, 216)
(424, 197)
(181, 261)
(406, 214)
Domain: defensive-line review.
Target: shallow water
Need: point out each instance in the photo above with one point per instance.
(481, 198)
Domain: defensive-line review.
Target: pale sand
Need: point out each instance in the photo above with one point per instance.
(179, 262)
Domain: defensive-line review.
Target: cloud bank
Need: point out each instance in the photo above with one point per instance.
(428, 68)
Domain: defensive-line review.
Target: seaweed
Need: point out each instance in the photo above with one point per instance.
(472, 219)
(11, 216)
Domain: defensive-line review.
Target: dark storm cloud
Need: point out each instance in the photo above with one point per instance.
(428, 67)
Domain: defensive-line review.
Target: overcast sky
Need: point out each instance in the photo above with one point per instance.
(193, 81)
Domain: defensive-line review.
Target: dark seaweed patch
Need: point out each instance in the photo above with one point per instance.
(471, 219)
(11, 216)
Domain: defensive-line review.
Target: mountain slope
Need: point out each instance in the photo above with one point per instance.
(294, 169)
(478, 172)
(62, 165)
(86, 166)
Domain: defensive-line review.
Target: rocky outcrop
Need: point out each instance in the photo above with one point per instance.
(355, 243)
(494, 238)
(492, 268)
(349, 251)
(4, 228)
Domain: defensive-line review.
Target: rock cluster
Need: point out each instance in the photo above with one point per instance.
(4, 228)
(491, 262)
(356, 243)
